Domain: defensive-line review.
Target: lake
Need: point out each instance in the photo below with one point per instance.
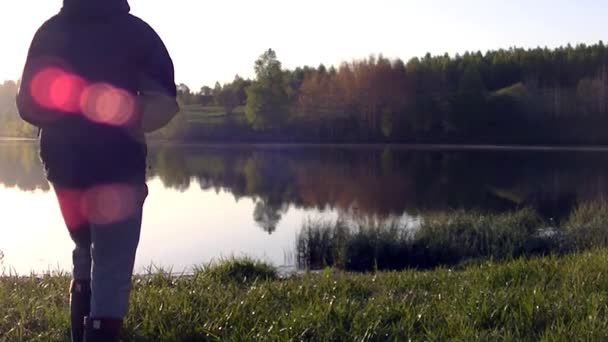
(212, 201)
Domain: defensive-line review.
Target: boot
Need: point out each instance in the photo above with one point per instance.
(80, 306)
(102, 329)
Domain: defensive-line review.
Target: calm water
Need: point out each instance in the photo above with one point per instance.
(208, 202)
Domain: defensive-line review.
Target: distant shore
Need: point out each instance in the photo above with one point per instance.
(509, 147)
(11, 139)
(412, 146)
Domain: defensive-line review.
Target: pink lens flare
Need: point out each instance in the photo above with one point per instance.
(106, 104)
(70, 203)
(107, 204)
(56, 89)
(101, 205)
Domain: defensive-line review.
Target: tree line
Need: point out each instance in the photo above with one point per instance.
(11, 124)
(512, 95)
(516, 95)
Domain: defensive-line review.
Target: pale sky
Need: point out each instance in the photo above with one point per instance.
(214, 40)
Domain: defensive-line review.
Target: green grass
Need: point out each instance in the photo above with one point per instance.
(239, 271)
(198, 111)
(445, 238)
(587, 226)
(497, 289)
(213, 115)
(545, 298)
(449, 239)
(517, 91)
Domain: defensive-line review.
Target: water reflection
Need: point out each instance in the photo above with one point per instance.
(388, 181)
(213, 201)
(362, 181)
(267, 216)
(20, 167)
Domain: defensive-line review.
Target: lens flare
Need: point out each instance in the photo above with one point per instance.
(106, 104)
(109, 204)
(70, 203)
(55, 89)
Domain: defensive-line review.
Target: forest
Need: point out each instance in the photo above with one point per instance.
(508, 96)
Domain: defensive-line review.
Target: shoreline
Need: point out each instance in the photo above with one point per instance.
(405, 146)
(422, 147)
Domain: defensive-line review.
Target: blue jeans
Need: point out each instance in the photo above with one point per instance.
(105, 224)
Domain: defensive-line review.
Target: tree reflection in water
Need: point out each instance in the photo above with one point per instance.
(381, 181)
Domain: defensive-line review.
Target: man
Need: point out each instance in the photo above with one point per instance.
(95, 80)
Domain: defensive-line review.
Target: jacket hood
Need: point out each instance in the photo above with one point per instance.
(95, 8)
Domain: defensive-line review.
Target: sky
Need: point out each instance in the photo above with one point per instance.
(213, 41)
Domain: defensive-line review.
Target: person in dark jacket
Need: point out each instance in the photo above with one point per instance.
(96, 80)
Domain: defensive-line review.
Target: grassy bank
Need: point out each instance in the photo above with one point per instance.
(547, 298)
(449, 239)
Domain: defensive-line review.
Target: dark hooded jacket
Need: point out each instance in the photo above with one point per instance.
(99, 42)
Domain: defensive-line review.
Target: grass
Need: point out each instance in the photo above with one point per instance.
(490, 277)
(198, 111)
(449, 239)
(212, 115)
(446, 239)
(545, 298)
(239, 270)
(517, 90)
(587, 226)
